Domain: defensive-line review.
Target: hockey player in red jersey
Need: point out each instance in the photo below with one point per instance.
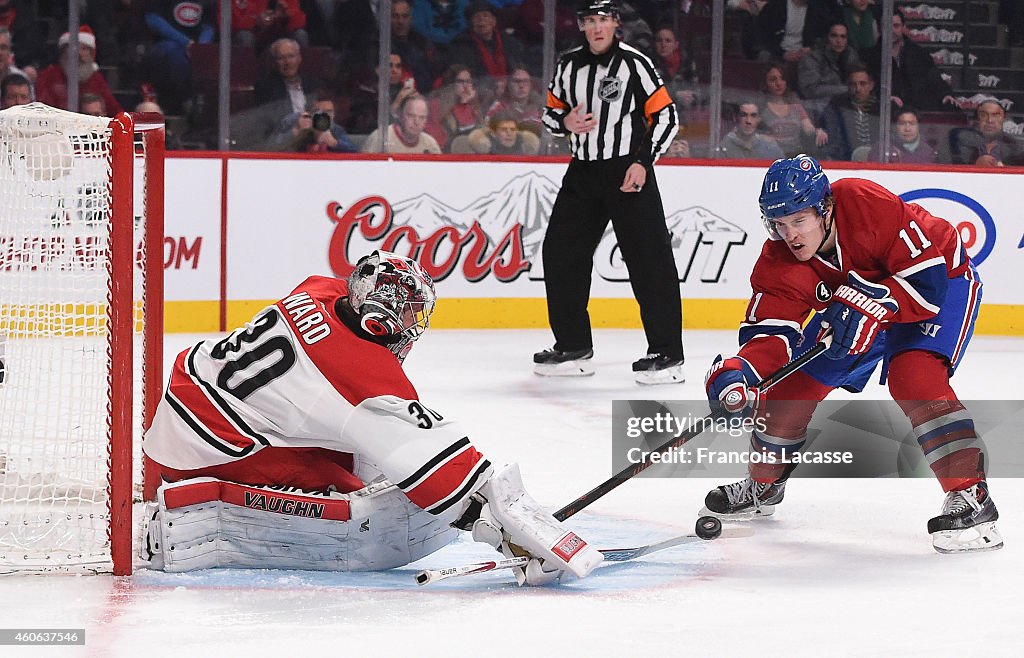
(895, 285)
(297, 441)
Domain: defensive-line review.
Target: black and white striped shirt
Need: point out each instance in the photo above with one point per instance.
(635, 114)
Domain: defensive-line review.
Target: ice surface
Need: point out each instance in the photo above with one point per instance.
(845, 567)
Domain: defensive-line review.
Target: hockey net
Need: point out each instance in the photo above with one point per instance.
(81, 240)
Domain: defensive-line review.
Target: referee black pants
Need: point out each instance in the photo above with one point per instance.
(589, 197)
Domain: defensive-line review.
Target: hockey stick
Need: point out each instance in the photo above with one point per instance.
(631, 471)
(618, 555)
(626, 554)
(428, 576)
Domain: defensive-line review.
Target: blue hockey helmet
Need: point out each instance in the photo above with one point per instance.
(790, 185)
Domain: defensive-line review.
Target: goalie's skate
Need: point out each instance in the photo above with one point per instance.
(556, 363)
(658, 369)
(967, 522)
(744, 500)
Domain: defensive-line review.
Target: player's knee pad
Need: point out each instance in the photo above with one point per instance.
(204, 523)
(513, 522)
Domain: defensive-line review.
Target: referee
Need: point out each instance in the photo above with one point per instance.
(610, 101)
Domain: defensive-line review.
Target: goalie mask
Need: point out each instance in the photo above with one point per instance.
(393, 299)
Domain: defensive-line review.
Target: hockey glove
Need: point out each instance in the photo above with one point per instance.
(730, 387)
(856, 314)
(514, 523)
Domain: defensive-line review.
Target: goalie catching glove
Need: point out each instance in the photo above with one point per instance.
(730, 386)
(510, 520)
(856, 314)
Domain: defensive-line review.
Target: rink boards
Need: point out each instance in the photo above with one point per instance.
(243, 230)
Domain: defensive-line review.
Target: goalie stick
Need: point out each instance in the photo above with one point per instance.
(428, 576)
(631, 471)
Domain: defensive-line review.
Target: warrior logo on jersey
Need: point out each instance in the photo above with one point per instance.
(823, 292)
(609, 89)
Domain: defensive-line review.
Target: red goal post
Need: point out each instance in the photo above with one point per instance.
(81, 333)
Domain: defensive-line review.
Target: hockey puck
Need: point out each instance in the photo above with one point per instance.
(708, 527)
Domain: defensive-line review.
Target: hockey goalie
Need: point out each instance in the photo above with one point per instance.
(298, 442)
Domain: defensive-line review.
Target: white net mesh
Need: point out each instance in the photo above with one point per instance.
(55, 215)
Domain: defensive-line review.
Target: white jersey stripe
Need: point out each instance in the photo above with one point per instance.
(915, 295)
(972, 307)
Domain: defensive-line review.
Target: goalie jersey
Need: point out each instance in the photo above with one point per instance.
(296, 376)
(880, 237)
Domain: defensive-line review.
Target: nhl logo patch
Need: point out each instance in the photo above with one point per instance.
(609, 89)
(823, 292)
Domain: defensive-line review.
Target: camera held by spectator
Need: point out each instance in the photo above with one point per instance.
(321, 121)
(313, 131)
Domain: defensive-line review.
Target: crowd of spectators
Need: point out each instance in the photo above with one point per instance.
(829, 52)
(463, 71)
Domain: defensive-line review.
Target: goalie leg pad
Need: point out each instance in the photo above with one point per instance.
(204, 523)
(528, 526)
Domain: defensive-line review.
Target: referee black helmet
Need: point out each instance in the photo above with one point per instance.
(596, 8)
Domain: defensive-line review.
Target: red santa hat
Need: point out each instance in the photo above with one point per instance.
(85, 38)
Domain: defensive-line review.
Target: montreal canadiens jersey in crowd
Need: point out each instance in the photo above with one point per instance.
(880, 237)
(297, 376)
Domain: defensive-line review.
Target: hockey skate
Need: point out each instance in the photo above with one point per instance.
(967, 522)
(556, 363)
(658, 368)
(744, 500)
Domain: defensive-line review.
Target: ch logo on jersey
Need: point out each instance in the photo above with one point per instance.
(609, 89)
(822, 292)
